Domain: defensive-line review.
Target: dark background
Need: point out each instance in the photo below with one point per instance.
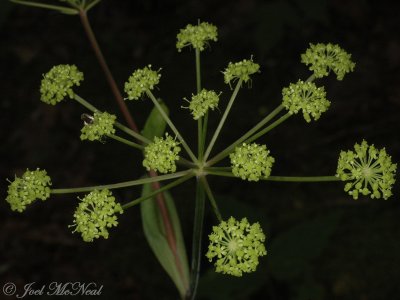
(322, 244)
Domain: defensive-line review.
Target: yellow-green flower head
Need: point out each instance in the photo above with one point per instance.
(140, 81)
(251, 162)
(197, 36)
(202, 102)
(26, 189)
(236, 246)
(240, 70)
(162, 154)
(58, 83)
(95, 214)
(98, 126)
(370, 171)
(324, 58)
(307, 97)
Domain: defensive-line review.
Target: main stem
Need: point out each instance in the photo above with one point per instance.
(110, 79)
(197, 237)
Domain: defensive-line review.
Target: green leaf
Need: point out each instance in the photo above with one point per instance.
(155, 233)
(155, 123)
(291, 253)
(153, 225)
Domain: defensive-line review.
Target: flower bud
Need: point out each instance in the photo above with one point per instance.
(99, 126)
(236, 246)
(324, 58)
(307, 97)
(369, 171)
(26, 189)
(162, 154)
(58, 83)
(197, 36)
(95, 214)
(251, 162)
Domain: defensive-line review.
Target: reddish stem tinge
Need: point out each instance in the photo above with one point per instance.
(110, 79)
(169, 231)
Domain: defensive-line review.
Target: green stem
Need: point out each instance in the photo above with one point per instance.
(205, 125)
(199, 138)
(230, 148)
(269, 128)
(92, 108)
(91, 5)
(157, 191)
(122, 184)
(171, 125)
(84, 103)
(200, 127)
(219, 173)
(197, 236)
(125, 141)
(62, 9)
(198, 71)
(280, 178)
(228, 169)
(132, 133)
(211, 198)
(223, 119)
(302, 179)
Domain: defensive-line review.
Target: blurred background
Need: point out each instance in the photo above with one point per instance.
(321, 243)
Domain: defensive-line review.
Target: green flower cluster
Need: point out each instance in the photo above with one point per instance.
(323, 58)
(26, 189)
(58, 82)
(202, 102)
(251, 162)
(162, 154)
(140, 81)
(307, 97)
(236, 246)
(197, 36)
(369, 170)
(240, 70)
(95, 214)
(99, 126)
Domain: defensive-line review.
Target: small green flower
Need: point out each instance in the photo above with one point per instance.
(236, 246)
(95, 214)
(58, 82)
(307, 97)
(369, 170)
(100, 125)
(251, 162)
(140, 81)
(323, 58)
(26, 189)
(240, 70)
(162, 154)
(202, 102)
(197, 36)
